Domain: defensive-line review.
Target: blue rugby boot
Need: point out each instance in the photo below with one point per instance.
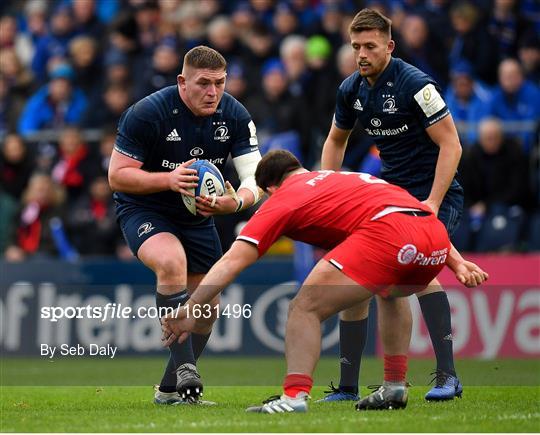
(336, 395)
(446, 387)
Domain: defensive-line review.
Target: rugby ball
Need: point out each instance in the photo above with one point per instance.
(210, 183)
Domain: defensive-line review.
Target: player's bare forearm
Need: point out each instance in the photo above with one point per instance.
(444, 134)
(126, 175)
(454, 258)
(138, 181)
(239, 257)
(334, 149)
(445, 172)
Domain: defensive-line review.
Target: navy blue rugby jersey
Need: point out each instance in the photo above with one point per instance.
(395, 112)
(162, 132)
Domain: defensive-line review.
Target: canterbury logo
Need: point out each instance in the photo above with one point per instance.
(173, 136)
(357, 105)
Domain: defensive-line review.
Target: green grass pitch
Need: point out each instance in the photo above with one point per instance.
(97, 395)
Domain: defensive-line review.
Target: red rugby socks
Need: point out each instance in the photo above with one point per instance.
(297, 383)
(395, 368)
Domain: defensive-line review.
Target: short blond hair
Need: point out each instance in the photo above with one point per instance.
(203, 57)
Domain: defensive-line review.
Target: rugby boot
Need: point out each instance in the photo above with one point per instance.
(384, 397)
(336, 395)
(282, 404)
(161, 398)
(446, 387)
(188, 382)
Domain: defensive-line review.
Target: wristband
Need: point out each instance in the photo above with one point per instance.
(240, 205)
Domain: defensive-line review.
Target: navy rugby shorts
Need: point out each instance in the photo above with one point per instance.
(200, 241)
(451, 208)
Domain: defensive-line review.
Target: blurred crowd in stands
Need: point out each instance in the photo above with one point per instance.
(69, 68)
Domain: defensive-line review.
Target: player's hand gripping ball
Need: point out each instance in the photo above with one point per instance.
(211, 183)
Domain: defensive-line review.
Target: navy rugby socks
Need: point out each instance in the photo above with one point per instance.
(436, 312)
(180, 353)
(352, 339)
(168, 381)
(198, 343)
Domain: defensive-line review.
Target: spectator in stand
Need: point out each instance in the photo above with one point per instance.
(236, 84)
(293, 56)
(123, 34)
(147, 16)
(35, 18)
(54, 105)
(507, 27)
(209, 8)
(418, 49)
(168, 20)
(83, 52)
(260, 48)
(473, 42)
(285, 21)
(54, 44)
(517, 103)
(162, 72)
(7, 108)
(91, 224)
(191, 26)
(244, 20)
(106, 146)
(75, 166)
(16, 166)
(86, 19)
(346, 62)
(493, 171)
(307, 16)
(221, 36)
(114, 101)
(275, 110)
(332, 14)
(321, 93)
(467, 101)
(42, 202)
(529, 57)
(530, 10)
(19, 83)
(117, 68)
(436, 14)
(264, 10)
(12, 39)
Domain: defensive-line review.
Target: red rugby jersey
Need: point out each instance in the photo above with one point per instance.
(322, 208)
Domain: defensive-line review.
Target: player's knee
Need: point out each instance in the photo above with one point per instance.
(167, 269)
(307, 305)
(358, 312)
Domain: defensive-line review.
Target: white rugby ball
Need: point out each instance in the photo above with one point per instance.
(211, 182)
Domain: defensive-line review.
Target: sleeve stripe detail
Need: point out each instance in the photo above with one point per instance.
(127, 153)
(248, 239)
